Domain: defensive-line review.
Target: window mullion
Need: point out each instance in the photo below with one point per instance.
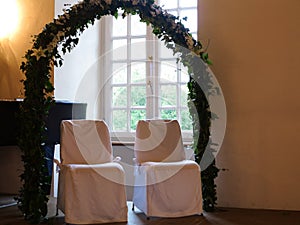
(156, 76)
(129, 62)
(150, 71)
(178, 88)
(107, 81)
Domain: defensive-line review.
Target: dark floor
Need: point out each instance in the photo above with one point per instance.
(10, 215)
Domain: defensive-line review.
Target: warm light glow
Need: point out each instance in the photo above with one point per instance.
(9, 17)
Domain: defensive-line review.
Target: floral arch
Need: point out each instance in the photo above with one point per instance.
(64, 31)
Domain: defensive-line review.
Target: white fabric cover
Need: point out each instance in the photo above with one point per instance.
(91, 186)
(158, 141)
(85, 142)
(165, 188)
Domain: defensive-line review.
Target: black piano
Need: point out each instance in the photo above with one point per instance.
(61, 110)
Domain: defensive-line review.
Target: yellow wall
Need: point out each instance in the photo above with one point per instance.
(34, 14)
(255, 47)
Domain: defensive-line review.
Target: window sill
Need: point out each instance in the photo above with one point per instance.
(131, 143)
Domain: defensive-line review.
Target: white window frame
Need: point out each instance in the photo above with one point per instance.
(151, 82)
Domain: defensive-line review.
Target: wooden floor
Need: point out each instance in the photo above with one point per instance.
(10, 215)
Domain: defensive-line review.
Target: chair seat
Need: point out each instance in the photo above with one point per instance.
(170, 189)
(85, 196)
(160, 171)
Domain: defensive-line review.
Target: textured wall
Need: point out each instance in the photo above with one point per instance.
(255, 48)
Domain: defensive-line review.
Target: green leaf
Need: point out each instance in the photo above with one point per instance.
(116, 14)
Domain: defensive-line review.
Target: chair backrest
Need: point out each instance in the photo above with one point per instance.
(158, 141)
(85, 142)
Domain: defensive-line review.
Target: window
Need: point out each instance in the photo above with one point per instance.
(146, 81)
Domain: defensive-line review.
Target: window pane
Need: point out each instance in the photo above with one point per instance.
(138, 48)
(119, 27)
(188, 3)
(119, 119)
(119, 73)
(184, 76)
(138, 96)
(168, 95)
(135, 116)
(138, 72)
(192, 19)
(195, 36)
(137, 27)
(168, 4)
(168, 71)
(173, 12)
(119, 49)
(119, 96)
(186, 120)
(120, 43)
(183, 95)
(165, 53)
(168, 114)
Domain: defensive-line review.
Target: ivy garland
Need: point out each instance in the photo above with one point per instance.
(65, 31)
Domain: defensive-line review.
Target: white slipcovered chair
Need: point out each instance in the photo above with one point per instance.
(91, 185)
(166, 184)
